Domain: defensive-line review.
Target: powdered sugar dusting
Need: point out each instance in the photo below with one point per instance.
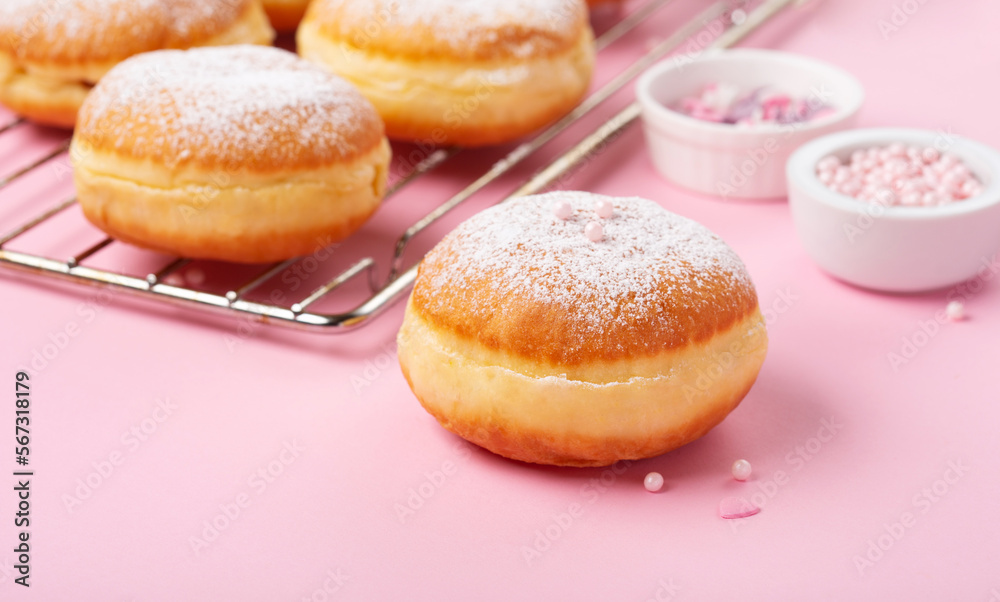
(74, 29)
(454, 15)
(650, 264)
(461, 25)
(242, 106)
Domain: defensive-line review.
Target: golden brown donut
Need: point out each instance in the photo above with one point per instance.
(52, 53)
(470, 73)
(237, 153)
(525, 337)
(285, 15)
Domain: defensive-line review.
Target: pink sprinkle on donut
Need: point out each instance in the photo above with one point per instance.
(594, 231)
(605, 209)
(562, 210)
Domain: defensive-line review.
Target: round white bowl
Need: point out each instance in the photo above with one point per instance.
(726, 160)
(896, 249)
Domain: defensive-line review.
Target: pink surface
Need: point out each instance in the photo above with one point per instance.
(321, 470)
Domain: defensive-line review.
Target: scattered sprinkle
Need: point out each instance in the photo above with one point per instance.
(653, 482)
(955, 311)
(741, 470)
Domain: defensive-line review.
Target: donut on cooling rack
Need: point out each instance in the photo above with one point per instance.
(467, 73)
(578, 330)
(285, 15)
(52, 53)
(237, 153)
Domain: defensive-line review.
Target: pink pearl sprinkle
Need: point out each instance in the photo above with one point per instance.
(961, 170)
(955, 311)
(900, 175)
(931, 198)
(737, 507)
(970, 189)
(851, 188)
(828, 163)
(594, 231)
(741, 470)
(562, 210)
(896, 149)
(951, 179)
(605, 209)
(653, 482)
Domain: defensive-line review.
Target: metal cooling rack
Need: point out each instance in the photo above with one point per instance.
(400, 277)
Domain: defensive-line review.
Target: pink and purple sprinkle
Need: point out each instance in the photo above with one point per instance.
(727, 104)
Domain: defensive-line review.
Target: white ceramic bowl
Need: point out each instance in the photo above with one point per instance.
(896, 249)
(726, 160)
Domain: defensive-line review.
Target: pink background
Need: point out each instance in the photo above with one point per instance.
(358, 447)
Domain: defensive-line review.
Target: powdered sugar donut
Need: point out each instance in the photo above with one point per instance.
(454, 71)
(238, 153)
(529, 337)
(52, 53)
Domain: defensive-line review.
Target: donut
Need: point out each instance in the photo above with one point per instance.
(237, 153)
(456, 72)
(52, 53)
(285, 15)
(547, 333)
